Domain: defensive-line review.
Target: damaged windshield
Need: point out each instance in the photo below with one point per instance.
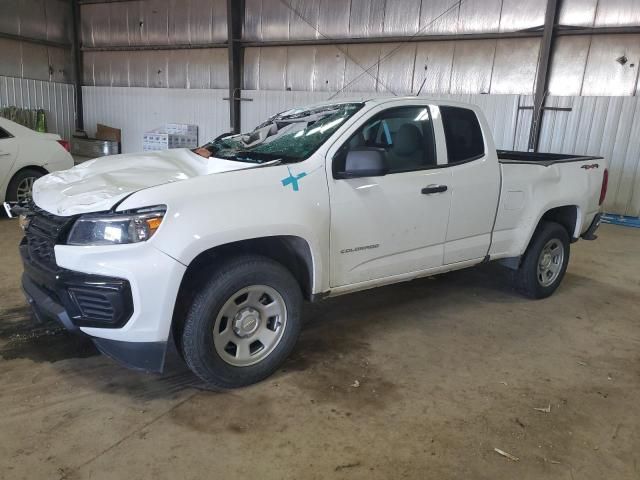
(290, 136)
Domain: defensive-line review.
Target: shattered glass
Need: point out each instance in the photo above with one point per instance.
(289, 137)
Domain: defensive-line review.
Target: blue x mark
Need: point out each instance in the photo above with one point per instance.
(293, 181)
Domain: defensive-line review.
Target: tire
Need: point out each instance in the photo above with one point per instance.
(208, 339)
(552, 239)
(19, 181)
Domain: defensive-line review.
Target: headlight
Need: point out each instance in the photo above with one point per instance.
(117, 228)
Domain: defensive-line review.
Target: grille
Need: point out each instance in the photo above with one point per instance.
(93, 305)
(43, 232)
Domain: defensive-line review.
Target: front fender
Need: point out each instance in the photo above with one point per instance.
(213, 210)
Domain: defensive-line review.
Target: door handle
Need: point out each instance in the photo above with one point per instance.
(430, 189)
(3, 154)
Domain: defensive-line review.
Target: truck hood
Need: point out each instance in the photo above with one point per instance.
(97, 185)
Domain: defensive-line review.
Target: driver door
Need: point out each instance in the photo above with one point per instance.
(393, 224)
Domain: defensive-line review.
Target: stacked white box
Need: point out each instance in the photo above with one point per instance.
(171, 135)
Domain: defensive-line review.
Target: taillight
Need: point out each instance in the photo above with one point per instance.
(605, 183)
(65, 144)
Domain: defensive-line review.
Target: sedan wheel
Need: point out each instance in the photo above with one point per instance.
(25, 189)
(20, 187)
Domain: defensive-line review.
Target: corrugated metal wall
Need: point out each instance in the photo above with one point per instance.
(582, 65)
(199, 68)
(463, 67)
(137, 110)
(606, 126)
(272, 20)
(38, 19)
(156, 23)
(57, 99)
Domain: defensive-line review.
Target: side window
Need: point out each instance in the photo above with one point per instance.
(462, 133)
(405, 133)
(4, 134)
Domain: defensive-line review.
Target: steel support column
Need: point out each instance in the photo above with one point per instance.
(235, 19)
(77, 62)
(542, 76)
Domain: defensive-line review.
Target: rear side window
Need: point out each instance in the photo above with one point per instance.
(4, 134)
(462, 133)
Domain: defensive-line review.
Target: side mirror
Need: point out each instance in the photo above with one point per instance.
(365, 162)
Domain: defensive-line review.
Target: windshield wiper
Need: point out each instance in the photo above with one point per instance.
(254, 157)
(270, 164)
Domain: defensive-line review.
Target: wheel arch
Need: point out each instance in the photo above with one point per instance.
(567, 216)
(38, 168)
(293, 252)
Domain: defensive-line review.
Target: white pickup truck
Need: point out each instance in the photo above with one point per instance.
(220, 252)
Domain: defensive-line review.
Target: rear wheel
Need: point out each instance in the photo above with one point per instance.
(21, 185)
(545, 261)
(243, 323)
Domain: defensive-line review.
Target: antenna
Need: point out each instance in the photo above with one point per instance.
(424, 80)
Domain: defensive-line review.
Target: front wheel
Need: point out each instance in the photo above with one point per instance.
(545, 261)
(243, 323)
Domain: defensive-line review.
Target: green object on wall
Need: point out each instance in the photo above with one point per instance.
(33, 119)
(41, 121)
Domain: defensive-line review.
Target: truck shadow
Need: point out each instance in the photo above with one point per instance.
(22, 337)
(336, 329)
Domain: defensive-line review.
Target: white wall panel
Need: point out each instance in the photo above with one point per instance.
(137, 110)
(57, 99)
(604, 126)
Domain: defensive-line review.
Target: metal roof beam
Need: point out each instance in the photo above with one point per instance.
(139, 48)
(37, 41)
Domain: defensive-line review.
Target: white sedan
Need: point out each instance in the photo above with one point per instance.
(25, 156)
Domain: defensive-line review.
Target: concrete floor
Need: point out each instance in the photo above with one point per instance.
(448, 369)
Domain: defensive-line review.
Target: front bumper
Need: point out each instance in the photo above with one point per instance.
(86, 300)
(131, 293)
(146, 356)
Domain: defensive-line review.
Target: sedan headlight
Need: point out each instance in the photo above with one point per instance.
(117, 228)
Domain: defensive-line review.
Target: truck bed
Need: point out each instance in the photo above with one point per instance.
(543, 159)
